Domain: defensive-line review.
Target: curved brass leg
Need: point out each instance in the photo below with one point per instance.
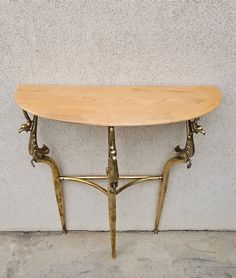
(58, 189)
(163, 188)
(113, 177)
(40, 155)
(182, 155)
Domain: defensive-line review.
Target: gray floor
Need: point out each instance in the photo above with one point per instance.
(140, 254)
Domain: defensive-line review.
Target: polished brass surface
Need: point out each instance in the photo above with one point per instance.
(188, 151)
(137, 181)
(163, 188)
(182, 155)
(113, 177)
(126, 177)
(112, 219)
(112, 169)
(58, 189)
(27, 126)
(85, 181)
(40, 155)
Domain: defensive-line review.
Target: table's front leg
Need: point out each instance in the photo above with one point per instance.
(113, 177)
(182, 155)
(40, 155)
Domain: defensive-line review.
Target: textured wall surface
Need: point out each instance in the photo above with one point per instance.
(118, 43)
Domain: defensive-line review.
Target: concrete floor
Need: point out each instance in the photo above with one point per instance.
(140, 254)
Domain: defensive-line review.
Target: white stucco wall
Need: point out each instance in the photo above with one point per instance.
(118, 43)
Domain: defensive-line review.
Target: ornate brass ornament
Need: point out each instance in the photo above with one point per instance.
(113, 177)
(182, 155)
(40, 155)
(191, 127)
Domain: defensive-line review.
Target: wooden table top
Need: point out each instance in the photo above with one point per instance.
(118, 106)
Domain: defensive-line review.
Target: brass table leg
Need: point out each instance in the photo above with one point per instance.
(163, 188)
(112, 219)
(58, 190)
(40, 155)
(182, 155)
(113, 177)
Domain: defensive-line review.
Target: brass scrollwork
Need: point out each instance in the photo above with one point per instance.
(40, 155)
(35, 151)
(112, 170)
(188, 151)
(28, 125)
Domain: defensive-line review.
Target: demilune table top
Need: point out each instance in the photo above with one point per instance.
(118, 106)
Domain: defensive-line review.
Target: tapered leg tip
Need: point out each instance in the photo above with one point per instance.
(156, 231)
(113, 255)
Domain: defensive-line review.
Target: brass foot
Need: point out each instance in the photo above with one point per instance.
(155, 231)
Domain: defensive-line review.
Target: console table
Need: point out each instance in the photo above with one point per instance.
(115, 106)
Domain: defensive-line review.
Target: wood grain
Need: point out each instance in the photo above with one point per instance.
(118, 106)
